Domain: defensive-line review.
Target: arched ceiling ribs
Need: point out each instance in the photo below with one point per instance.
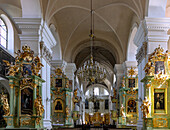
(68, 6)
(112, 30)
(74, 31)
(121, 4)
(50, 7)
(139, 8)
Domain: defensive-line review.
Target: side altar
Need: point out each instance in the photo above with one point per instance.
(156, 85)
(24, 109)
(128, 96)
(61, 96)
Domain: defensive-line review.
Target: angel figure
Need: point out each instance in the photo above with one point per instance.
(38, 105)
(122, 111)
(145, 107)
(4, 100)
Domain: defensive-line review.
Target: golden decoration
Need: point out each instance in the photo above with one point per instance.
(22, 58)
(145, 107)
(157, 55)
(39, 108)
(132, 72)
(122, 113)
(58, 71)
(132, 91)
(26, 122)
(67, 84)
(67, 112)
(123, 81)
(5, 103)
(160, 122)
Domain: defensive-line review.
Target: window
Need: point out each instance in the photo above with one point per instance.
(3, 33)
(106, 92)
(96, 91)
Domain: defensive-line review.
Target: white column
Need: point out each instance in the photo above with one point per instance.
(44, 87)
(47, 120)
(118, 69)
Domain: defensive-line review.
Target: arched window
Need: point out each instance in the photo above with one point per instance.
(3, 34)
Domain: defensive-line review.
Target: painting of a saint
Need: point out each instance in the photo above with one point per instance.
(131, 83)
(159, 100)
(131, 108)
(159, 67)
(58, 83)
(58, 106)
(27, 101)
(27, 70)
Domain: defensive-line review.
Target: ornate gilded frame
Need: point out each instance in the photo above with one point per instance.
(56, 104)
(153, 100)
(20, 100)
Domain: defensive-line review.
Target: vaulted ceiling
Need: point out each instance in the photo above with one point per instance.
(113, 21)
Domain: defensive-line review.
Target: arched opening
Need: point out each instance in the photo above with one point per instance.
(9, 35)
(132, 48)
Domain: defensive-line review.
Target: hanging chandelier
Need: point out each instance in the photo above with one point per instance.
(91, 71)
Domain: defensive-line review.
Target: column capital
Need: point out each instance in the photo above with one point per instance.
(118, 69)
(70, 69)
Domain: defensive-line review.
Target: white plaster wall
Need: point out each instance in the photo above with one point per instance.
(157, 8)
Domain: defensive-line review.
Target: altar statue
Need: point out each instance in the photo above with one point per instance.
(122, 111)
(145, 107)
(4, 100)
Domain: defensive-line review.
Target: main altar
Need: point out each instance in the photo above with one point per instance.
(156, 85)
(24, 109)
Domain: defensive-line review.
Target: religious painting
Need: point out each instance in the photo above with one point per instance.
(106, 104)
(159, 100)
(131, 83)
(58, 106)
(27, 101)
(27, 70)
(159, 67)
(96, 105)
(86, 104)
(131, 106)
(58, 83)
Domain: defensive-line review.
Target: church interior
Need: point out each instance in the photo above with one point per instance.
(85, 64)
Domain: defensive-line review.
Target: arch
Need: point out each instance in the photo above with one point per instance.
(3, 34)
(10, 46)
(167, 13)
(94, 86)
(132, 48)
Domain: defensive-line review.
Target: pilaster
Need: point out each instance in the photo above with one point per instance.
(118, 69)
(29, 28)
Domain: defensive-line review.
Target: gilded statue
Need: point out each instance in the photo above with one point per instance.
(4, 100)
(122, 113)
(145, 107)
(39, 108)
(67, 112)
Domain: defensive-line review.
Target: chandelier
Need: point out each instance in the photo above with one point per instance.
(91, 71)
